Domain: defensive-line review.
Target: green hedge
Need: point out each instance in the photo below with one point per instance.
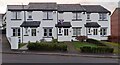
(47, 46)
(93, 41)
(99, 49)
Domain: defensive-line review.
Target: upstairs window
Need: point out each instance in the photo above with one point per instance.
(77, 16)
(16, 15)
(88, 16)
(29, 14)
(47, 15)
(103, 16)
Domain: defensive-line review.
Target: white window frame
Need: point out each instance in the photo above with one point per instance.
(47, 15)
(77, 31)
(77, 15)
(33, 32)
(103, 16)
(103, 31)
(29, 14)
(16, 32)
(66, 31)
(88, 16)
(26, 30)
(95, 31)
(48, 32)
(16, 15)
(88, 31)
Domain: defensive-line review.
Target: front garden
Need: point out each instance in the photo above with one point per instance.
(92, 46)
(47, 46)
(88, 46)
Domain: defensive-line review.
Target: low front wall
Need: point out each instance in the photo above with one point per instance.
(13, 42)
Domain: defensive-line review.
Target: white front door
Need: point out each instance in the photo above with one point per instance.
(65, 35)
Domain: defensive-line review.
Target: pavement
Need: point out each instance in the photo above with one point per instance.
(6, 50)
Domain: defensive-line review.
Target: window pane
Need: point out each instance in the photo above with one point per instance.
(88, 16)
(100, 16)
(45, 34)
(45, 30)
(50, 15)
(50, 34)
(18, 32)
(59, 30)
(18, 15)
(74, 31)
(66, 32)
(78, 15)
(50, 30)
(79, 31)
(33, 32)
(44, 15)
(13, 15)
(30, 14)
(74, 15)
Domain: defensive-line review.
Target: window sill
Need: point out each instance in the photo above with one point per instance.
(47, 19)
(59, 34)
(15, 36)
(89, 34)
(76, 19)
(16, 19)
(26, 35)
(88, 20)
(74, 36)
(47, 37)
(29, 19)
(104, 36)
(102, 20)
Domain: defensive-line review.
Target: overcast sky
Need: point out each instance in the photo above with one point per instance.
(109, 4)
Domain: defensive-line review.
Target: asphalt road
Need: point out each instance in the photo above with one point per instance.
(21, 58)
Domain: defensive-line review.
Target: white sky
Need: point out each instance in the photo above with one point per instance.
(109, 4)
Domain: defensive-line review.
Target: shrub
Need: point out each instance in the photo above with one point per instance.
(81, 38)
(99, 49)
(47, 46)
(93, 41)
(54, 40)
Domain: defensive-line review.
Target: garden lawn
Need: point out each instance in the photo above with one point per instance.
(77, 45)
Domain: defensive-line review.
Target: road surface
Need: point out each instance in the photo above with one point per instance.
(24, 58)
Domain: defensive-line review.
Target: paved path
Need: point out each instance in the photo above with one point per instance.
(24, 47)
(71, 48)
(5, 44)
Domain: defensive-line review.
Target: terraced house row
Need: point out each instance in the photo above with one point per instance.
(47, 21)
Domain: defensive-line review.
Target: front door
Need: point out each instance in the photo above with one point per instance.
(65, 35)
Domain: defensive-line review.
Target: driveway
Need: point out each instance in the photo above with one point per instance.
(5, 44)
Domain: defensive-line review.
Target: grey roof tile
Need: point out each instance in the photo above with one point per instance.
(70, 7)
(30, 24)
(44, 6)
(92, 24)
(64, 25)
(95, 9)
